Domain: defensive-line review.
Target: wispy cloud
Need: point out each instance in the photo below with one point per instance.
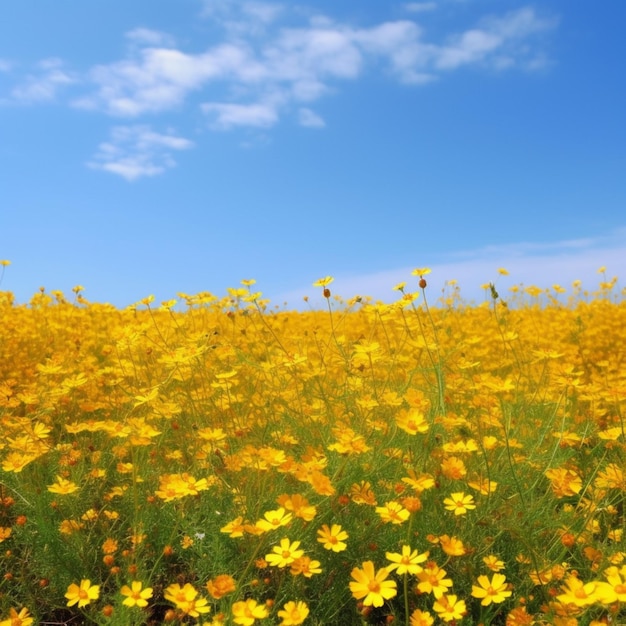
(149, 37)
(269, 64)
(245, 18)
(5, 65)
(44, 84)
(226, 116)
(159, 79)
(497, 38)
(310, 119)
(294, 64)
(420, 7)
(542, 265)
(137, 151)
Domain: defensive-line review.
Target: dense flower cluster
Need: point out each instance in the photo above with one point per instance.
(216, 461)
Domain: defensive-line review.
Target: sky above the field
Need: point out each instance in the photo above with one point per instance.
(166, 146)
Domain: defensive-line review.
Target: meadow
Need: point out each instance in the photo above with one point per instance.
(217, 460)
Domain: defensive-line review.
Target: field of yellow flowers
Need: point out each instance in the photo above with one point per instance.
(218, 461)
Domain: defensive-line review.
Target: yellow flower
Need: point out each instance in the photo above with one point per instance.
(17, 619)
(299, 505)
(412, 421)
(449, 608)
(185, 599)
(136, 596)
(371, 586)
(493, 563)
(247, 612)
(421, 618)
(235, 528)
(393, 513)
(421, 271)
(615, 587)
(432, 579)
(578, 593)
(459, 503)
(452, 546)
(82, 594)
(494, 590)
(305, 566)
(323, 282)
(293, 613)
(284, 554)
(332, 538)
(407, 562)
(274, 519)
(564, 482)
(63, 486)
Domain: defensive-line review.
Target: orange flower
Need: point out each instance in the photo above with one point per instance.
(220, 586)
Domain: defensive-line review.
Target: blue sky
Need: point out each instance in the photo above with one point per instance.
(165, 146)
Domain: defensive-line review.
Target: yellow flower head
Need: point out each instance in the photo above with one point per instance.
(135, 594)
(284, 554)
(372, 586)
(22, 618)
(459, 503)
(432, 579)
(495, 590)
(406, 563)
(293, 613)
(247, 612)
(82, 594)
(449, 608)
(323, 282)
(63, 486)
(393, 513)
(333, 537)
(274, 519)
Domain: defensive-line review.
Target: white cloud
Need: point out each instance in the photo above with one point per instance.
(44, 85)
(500, 42)
(310, 119)
(226, 116)
(241, 19)
(301, 63)
(150, 37)
(263, 11)
(541, 265)
(400, 42)
(420, 7)
(137, 151)
(5, 65)
(160, 79)
(318, 52)
(266, 65)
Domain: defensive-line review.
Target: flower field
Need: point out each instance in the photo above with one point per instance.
(214, 460)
